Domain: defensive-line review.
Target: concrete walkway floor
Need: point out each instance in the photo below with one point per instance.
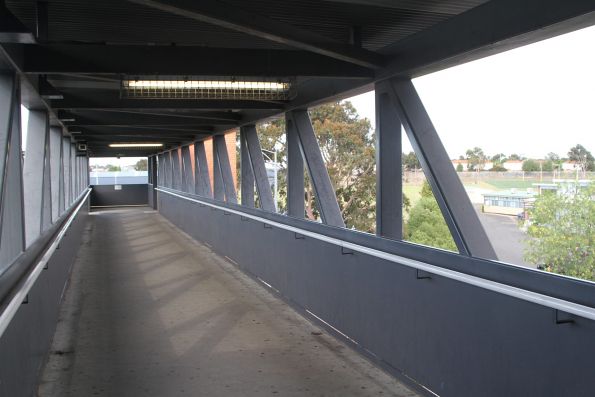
(150, 312)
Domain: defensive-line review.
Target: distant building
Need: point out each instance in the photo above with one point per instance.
(513, 165)
(508, 203)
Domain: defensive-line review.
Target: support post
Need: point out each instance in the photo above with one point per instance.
(389, 180)
(203, 180)
(325, 193)
(295, 171)
(461, 218)
(61, 179)
(176, 169)
(222, 168)
(66, 165)
(34, 173)
(188, 177)
(12, 221)
(265, 195)
(246, 170)
(55, 157)
(153, 178)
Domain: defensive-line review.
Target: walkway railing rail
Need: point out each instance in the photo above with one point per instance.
(21, 275)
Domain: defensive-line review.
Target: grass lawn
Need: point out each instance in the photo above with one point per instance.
(503, 184)
(413, 192)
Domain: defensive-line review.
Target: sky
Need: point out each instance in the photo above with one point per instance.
(531, 100)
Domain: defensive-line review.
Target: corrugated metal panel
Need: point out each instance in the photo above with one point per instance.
(114, 21)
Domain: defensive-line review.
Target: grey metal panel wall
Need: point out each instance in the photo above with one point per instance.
(106, 195)
(26, 342)
(455, 339)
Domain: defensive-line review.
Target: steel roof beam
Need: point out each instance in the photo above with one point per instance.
(493, 27)
(183, 60)
(220, 14)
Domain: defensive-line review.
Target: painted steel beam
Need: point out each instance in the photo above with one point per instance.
(490, 28)
(55, 163)
(461, 218)
(66, 167)
(46, 190)
(247, 178)
(220, 14)
(34, 173)
(222, 169)
(108, 102)
(12, 221)
(160, 181)
(295, 171)
(183, 60)
(389, 181)
(177, 182)
(435, 7)
(187, 172)
(203, 180)
(12, 29)
(150, 117)
(265, 195)
(325, 193)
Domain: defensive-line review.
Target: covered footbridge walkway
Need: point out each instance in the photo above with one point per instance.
(209, 289)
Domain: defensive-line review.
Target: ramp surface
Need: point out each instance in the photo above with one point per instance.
(150, 312)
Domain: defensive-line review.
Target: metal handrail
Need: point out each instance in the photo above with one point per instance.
(515, 292)
(29, 280)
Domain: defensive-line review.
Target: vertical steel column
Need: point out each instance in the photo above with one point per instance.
(61, 178)
(222, 168)
(325, 193)
(295, 171)
(73, 173)
(176, 170)
(247, 178)
(203, 179)
(389, 180)
(67, 171)
(153, 177)
(46, 191)
(460, 216)
(218, 185)
(168, 170)
(160, 170)
(265, 195)
(33, 173)
(12, 221)
(56, 153)
(188, 177)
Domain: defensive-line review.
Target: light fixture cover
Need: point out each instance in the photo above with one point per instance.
(134, 145)
(179, 87)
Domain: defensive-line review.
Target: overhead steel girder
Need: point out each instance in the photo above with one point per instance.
(151, 60)
(12, 221)
(325, 193)
(220, 14)
(459, 214)
(487, 29)
(176, 116)
(109, 102)
(265, 195)
(224, 188)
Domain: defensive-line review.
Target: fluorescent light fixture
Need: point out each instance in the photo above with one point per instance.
(205, 84)
(75, 132)
(135, 145)
(199, 88)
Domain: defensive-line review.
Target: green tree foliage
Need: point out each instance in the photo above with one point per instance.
(348, 150)
(531, 165)
(426, 224)
(563, 233)
(459, 167)
(410, 162)
(113, 168)
(583, 157)
(477, 159)
(515, 156)
(141, 165)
